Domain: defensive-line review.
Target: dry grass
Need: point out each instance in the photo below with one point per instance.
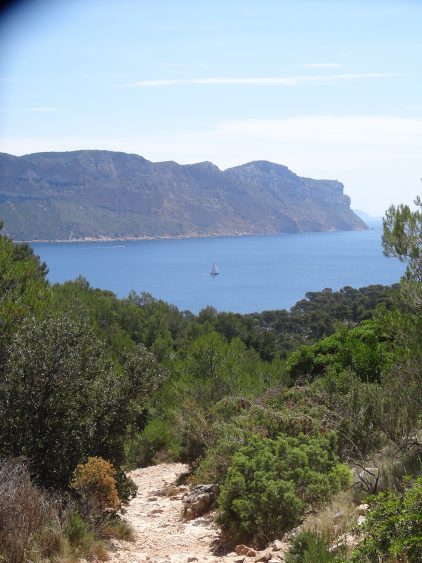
(29, 520)
(117, 528)
(337, 518)
(35, 527)
(97, 551)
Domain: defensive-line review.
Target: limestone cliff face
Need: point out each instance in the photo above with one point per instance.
(47, 196)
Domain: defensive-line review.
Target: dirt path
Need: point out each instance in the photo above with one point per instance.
(161, 536)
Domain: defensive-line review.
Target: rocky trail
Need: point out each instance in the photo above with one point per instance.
(161, 536)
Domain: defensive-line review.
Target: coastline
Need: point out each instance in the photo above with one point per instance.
(175, 237)
(145, 237)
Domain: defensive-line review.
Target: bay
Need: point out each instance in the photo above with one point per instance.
(256, 272)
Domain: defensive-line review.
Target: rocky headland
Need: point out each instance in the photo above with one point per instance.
(103, 195)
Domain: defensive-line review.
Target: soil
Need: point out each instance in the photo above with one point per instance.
(160, 534)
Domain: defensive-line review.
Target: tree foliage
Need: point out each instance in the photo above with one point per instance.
(23, 285)
(62, 397)
(365, 350)
(262, 404)
(393, 527)
(269, 482)
(403, 237)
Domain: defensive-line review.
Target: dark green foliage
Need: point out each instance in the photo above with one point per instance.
(126, 486)
(76, 530)
(54, 377)
(23, 287)
(62, 398)
(276, 333)
(233, 420)
(348, 305)
(393, 527)
(208, 371)
(214, 369)
(269, 482)
(402, 237)
(145, 447)
(365, 350)
(309, 547)
(164, 329)
(123, 323)
(136, 381)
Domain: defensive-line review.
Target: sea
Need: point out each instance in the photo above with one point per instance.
(256, 273)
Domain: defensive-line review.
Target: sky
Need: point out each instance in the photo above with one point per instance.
(331, 89)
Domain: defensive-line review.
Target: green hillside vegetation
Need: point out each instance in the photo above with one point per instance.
(289, 412)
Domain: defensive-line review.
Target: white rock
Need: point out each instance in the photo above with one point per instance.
(348, 540)
(262, 556)
(361, 520)
(277, 545)
(363, 508)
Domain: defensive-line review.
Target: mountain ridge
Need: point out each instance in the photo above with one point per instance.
(96, 194)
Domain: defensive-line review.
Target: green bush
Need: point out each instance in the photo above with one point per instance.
(77, 531)
(126, 487)
(364, 349)
(52, 393)
(393, 527)
(23, 285)
(270, 481)
(62, 397)
(234, 419)
(156, 438)
(309, 547)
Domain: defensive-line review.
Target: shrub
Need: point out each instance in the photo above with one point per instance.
(393, 527)
(29, 519)
(52, 395)
(157, 437)
(24, 288)
(213, 467)
(234, 419)
(77, 531)
(96, 485)
(363, 349)
(116, 528)
(126, 487)
(63, 397)
(269, 482)
(309, 547)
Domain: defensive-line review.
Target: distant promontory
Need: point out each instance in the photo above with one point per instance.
(95, 194)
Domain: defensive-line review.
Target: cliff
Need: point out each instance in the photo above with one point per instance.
(95, 194)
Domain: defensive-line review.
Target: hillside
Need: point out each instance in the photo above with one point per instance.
(287, 420)
(102, 194)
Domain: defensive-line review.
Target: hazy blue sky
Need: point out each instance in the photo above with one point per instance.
(332, 89)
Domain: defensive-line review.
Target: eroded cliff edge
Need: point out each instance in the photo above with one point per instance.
(103, 194)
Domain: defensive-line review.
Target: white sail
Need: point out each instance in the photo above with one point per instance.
(214, 271)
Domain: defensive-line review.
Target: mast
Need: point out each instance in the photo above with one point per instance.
(214, 271)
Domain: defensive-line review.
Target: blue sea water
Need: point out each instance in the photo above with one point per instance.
(256, 272)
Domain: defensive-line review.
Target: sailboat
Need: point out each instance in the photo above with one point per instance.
(214, 271)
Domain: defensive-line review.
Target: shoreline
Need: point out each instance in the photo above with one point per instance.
(158, 237)
(174, 237)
